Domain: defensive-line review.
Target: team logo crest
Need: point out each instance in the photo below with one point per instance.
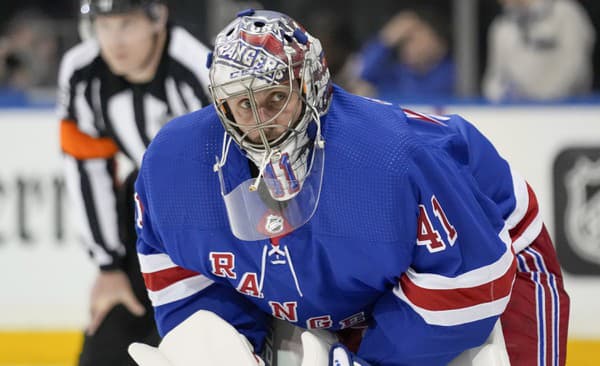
(274, 224)
(246, 59)
(577, 210)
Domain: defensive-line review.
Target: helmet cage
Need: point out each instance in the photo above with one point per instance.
(260, 49)
(240, 133)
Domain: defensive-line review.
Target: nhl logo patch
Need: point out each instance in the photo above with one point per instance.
(274, 224)
(577, 214)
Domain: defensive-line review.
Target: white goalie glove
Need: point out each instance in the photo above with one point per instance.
(203, 339)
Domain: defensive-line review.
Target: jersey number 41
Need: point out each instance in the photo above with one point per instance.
(427, 235)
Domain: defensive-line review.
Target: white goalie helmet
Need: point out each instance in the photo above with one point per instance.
(259, 52)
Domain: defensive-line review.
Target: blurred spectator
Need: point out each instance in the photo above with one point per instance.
(539, 50)
(337, 37)
(28, 52)
(409, 59)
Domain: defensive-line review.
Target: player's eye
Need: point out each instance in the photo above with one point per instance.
(244, 104)
(278, 97)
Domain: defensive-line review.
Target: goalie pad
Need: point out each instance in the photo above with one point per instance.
(145, 355)
(319, 350)
(202, 339)
(315, 349)
(491, 353)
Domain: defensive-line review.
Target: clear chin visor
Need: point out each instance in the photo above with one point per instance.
(255, 215)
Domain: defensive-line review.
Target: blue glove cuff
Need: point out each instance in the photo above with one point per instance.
(339, 355)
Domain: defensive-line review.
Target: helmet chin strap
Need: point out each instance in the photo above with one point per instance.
(261, 167)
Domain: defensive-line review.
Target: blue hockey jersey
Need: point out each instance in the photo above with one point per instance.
(414, 235)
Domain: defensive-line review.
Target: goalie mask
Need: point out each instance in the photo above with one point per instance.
(270, 85)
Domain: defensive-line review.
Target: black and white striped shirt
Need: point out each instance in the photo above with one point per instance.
(103, 114)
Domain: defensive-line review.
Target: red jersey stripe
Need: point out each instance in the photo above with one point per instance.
(458, 298)
(532, 212)
(156, 281)
(422, 117)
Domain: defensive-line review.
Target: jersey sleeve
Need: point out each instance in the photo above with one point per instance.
(89, 164)
(177, 292)
(460, 277)
(513, 197)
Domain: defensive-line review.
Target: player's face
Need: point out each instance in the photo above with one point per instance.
(126, 40)
(277, 108)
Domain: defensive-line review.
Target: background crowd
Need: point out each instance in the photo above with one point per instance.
(523, 50)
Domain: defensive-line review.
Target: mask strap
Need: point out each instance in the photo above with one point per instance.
(224, 152)
(261, 170)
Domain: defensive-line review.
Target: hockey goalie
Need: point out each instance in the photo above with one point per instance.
(391, 237)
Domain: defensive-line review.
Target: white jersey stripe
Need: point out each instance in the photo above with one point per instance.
(179, 290)
(541, 318)
(522, 206)
(173, 97)
(72, 176)
(190, 98)
(530, 234)
(125, 127)
(438, 117)
(156, 112)
(104, 204)
(155, 262)
(78, 57)
(555, 319)
(85, 122)
(190, 52)
(521, 198)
